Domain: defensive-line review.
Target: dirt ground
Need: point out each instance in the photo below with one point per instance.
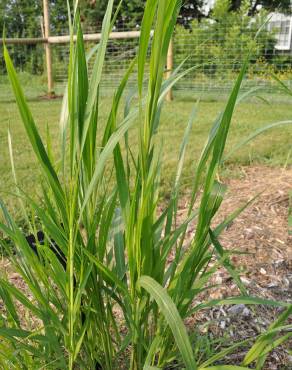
(262, 229)
(266, 269)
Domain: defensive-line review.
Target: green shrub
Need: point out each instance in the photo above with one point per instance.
(218, 44)
(130, 278)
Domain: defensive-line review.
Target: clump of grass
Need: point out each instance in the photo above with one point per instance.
(113, 276)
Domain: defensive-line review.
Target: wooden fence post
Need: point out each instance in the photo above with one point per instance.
(48, 48)
(169, 67)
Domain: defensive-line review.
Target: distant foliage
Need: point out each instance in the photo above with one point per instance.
(219, 44)
(22, 18)
(220, 40)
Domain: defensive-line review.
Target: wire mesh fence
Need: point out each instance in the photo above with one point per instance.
(30, 63)
(216, 55)
(119, 54)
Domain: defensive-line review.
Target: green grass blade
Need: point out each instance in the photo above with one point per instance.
(146, 25)
(283, 86)
(19, 197)
(9, 305)
(275, 343)
(13, 332)
(229, 219)
(20, 297)
(227, 264)
(107, 151)
(172, 317)
(224, 367)
(107, 274)
(82, 78)
(256, 133)
(119, 246)
(266, 339)
(238, 300)
(96, 72)
(221, 355)
(183, 148)
(33, 135)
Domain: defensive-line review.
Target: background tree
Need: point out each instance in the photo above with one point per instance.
(219, 46)
(92, 12)
(22, 18)
(283, 6)
(132, 12)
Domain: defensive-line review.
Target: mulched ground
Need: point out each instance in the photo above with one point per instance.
(266, 270)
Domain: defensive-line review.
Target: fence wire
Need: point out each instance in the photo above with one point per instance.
(219, 52)
(217, 56)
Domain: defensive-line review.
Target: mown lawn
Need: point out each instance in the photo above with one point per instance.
(272, 148)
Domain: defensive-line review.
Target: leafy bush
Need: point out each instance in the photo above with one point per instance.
(112, 279)
(219, 44)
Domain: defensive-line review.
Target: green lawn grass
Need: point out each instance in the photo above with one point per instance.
(272, 148)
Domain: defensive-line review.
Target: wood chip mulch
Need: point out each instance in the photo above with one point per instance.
(261, 231)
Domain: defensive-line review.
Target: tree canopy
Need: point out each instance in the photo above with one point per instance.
(22, 17)
(283, 6)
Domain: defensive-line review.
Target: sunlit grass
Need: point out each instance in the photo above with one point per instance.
(114, 276)
(269, 149)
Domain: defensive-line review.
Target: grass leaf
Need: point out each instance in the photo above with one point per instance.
(171, 315)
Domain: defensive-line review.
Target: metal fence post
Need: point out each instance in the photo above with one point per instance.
(48, 48)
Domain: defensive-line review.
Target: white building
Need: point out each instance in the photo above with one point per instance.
(281, 23)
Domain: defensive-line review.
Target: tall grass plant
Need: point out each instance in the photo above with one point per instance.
(130, 276)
